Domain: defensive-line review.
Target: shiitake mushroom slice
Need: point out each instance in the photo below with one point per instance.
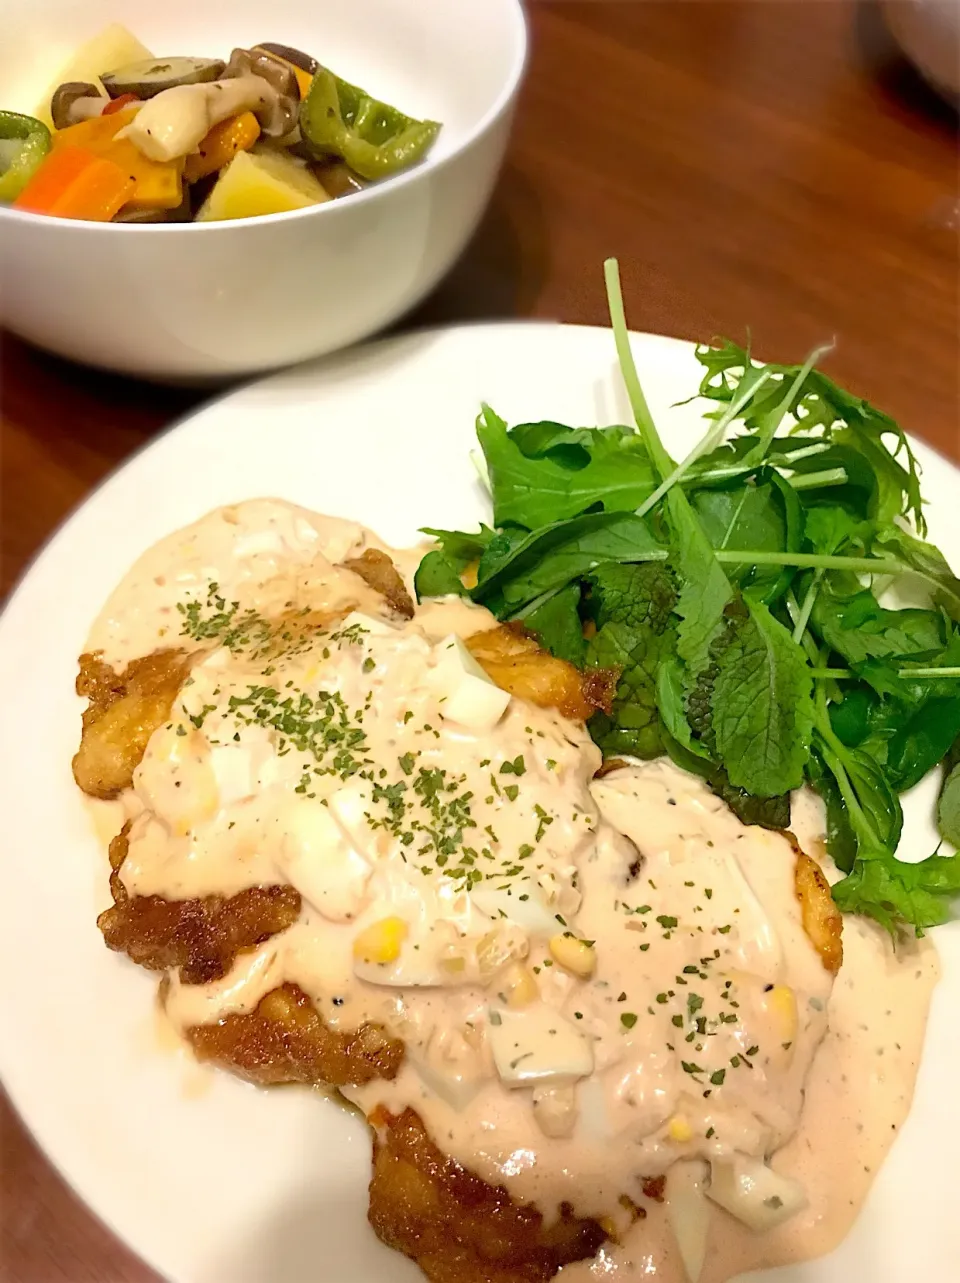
(66, 95)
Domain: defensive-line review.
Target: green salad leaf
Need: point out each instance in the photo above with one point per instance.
(541, 473)
(818, 404)
(948, 803)
(740, 596)
(895, 892)
(557, 625)
(635, 632)
(519, 566)
(762, 705)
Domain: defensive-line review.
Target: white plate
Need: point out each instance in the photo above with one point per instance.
(232, 1184)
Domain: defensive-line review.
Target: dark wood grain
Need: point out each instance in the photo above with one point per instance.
(767, 165)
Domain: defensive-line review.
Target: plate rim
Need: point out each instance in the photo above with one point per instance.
(410, 345)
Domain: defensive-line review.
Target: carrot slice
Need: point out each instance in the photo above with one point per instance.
(74, 183)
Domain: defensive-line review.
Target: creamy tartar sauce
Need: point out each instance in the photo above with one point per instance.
(600, 982)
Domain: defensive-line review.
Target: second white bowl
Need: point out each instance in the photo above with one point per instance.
(210, 300)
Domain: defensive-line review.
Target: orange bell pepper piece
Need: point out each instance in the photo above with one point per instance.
(218, 148)
(157, 183)
(94, 134)
(74, 183)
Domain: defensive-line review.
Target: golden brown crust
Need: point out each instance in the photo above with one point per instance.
(377, 569)
(610, 764)
(511, 658)
(285, 1040)
(123, 711)
(201, 937)
(454, 1225)
(821, 918)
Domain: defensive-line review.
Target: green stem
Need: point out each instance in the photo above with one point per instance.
(797, 480)
(844, 674)
(793, 610)
(777, 414)
(817, 480)
(791, 456)
(707, 443)
(813, 560)
(537, 602)
(803, 618)
(930, 672)
(833, 753)
(834, 760)
(638, 402)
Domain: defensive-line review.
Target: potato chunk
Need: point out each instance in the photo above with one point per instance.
(262, 182)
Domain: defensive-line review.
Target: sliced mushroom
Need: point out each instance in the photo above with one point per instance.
(289, 54)
(174, 123)
(62, 105)
(152, 77)
(281, 117)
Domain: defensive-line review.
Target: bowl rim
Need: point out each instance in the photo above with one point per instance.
(502, 103)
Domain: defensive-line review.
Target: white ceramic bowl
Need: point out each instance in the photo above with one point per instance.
(928, 32)
(211, 300)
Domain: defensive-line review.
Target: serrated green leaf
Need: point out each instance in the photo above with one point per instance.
(894, 892)
(633, 607)
(762, 705)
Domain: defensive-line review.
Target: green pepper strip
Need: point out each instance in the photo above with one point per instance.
(17, 164)
(374, 139)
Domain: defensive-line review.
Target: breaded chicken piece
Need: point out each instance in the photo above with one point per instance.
(513, 659)
(285, 1040)
(458, 1228)
(200, 937)
(821, 918)
(124, 710)
(377, 570)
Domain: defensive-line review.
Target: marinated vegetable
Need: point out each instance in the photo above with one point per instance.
(113, 47)
(24, 142)
(73, 182)
(235, 134)
(267, 131)
(75, 101)
(157, 185)
(337, 119)
(263, 182)
(153, 75)
(175, 123)
(302, 65)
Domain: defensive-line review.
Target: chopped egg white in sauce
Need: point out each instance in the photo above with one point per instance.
(599, 982)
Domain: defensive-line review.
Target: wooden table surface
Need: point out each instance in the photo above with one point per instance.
(755, 164)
